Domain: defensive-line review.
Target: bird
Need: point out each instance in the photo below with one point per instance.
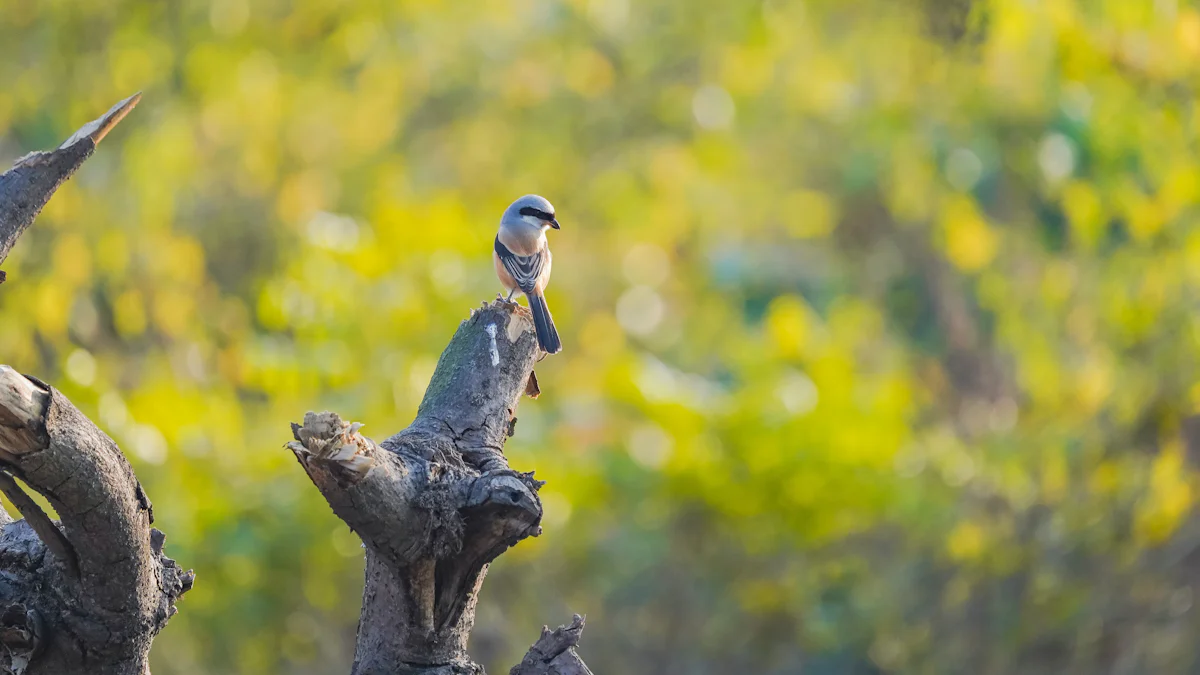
(522, 260)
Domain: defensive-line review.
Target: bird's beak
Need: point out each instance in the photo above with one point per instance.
(554, 223)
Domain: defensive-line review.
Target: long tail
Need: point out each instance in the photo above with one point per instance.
(543, 323)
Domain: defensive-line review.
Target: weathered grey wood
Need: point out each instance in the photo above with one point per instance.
(434, 504)
(86, 595)
(29, 184)
(437, 502)
(554, 652)
(96, 591)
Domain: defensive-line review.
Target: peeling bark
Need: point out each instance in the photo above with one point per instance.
(437, 502)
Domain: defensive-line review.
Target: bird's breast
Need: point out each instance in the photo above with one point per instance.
(522, 242)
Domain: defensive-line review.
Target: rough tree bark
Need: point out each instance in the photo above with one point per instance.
(29, 184)
(434, 504)
(87, 594)
(437, 502)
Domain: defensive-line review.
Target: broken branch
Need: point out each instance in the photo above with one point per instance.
(437, 502)
(29, 184)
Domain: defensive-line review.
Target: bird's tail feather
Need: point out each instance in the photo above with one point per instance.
(543, 323)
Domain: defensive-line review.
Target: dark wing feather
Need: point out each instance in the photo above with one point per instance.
(524, 268)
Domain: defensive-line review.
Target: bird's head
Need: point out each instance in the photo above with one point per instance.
(530, 210)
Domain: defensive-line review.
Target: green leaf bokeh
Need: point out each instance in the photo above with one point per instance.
(881, 339)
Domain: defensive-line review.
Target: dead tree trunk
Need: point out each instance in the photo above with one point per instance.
(86, 595)
(437, 502)
(434, 504)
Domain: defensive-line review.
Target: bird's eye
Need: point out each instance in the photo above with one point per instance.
(536, 213)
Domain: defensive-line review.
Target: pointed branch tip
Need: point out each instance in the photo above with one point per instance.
(97, 129)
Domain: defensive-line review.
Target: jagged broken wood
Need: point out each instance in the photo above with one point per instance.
(434, 504)
(85, 595)
(94, 588)
(554, 652)
(437, 502)
(29, 184)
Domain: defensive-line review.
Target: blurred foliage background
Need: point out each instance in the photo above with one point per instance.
(881, 341)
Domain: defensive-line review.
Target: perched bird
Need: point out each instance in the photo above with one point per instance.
(522, 260)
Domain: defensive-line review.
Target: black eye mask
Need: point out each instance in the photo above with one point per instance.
(536, 213)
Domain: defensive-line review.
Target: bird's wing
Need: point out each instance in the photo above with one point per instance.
(525, 269)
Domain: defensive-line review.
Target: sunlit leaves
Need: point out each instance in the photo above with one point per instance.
(796, 234)
(969, 242)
